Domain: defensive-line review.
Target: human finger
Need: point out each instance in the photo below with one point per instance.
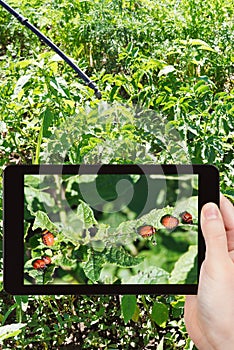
(227, 211)
(214, 233)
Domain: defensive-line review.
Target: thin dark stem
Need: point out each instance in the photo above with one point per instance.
(46, 40)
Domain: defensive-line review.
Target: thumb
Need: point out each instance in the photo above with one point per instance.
(214, 234)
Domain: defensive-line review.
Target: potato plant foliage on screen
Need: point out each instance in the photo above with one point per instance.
(109, 229)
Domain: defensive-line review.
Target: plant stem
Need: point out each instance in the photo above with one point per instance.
(153, 324)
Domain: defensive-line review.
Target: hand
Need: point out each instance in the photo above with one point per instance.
(209, 315)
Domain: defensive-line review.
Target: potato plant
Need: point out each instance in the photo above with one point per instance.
(104, 239)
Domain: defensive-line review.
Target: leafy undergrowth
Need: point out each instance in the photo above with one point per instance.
(146, 323)
(165, 70)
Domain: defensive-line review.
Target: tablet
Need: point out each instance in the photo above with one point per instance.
(105, 229)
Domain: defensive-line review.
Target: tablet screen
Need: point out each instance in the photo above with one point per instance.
(111, 229)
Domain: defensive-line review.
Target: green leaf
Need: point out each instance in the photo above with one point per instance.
(32, 181)
(48, 273)
(154, 217)
(148, 275)
(192, 130)
(183, 266)
(44, 197)
(59, 85)
(160, 314)
(85, 214)
(128, 307)
(92, 267)
(85, 178)
(8, 312)
(24, 63)
(11, 330)
(22, 301)
(201, 90)
(120, 257)
(67, 263)
(166, 70)
(197, 42)
(27, 226)
(42, 221)
(136, 314)
(177, 307)
(169, 104)
(160, 345)
(20, 84)
(206, 48)
(48, 118)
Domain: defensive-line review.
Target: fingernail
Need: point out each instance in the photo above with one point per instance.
(210, 211)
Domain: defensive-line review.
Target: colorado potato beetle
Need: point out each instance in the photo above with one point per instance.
(169, 221)
(186, 218)
(146, 230)
(47, 238)
(39, 264)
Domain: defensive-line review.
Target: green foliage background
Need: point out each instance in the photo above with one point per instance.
(174, 58)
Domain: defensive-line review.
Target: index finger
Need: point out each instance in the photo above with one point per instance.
(227, 211)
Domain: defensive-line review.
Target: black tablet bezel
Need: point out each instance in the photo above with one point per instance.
(13, 244)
